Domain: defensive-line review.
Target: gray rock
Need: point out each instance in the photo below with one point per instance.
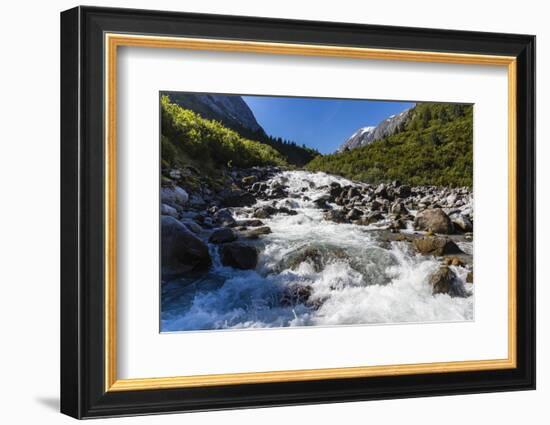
(433, 245)
(256, 232)
(463, 223)
(399, 208)
(224, 217)
(445, 281)
(338, 216)
(403, 191)
(222, 235)
(237, 198)
(181, 250)
(166, 209)
(249, 180)
(434, 220)
(239, 255)
(175, 195)
(250, 223)
(354, 214)
(317, 255)
(265, 211)
(381, 191)
(192, 225)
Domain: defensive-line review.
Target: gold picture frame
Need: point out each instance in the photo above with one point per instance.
(113, 41)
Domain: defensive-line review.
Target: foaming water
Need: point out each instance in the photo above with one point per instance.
(351, 277)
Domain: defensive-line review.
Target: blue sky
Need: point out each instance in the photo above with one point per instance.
(323, 124)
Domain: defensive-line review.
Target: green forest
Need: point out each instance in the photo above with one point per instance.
(293, 153)
(188, 138)
(432, 147)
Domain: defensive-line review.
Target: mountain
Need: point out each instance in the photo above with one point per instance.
(189, 139)
(430, 144)
(233, 112)
(230, 110)
(360, 138)
(367, 135)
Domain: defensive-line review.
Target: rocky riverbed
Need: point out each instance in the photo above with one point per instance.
(267, 247)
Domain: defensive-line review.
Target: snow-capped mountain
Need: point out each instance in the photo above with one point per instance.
(367, 135)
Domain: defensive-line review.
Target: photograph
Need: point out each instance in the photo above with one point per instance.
(279, 211)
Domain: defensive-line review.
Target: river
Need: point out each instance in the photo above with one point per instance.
(354, 278)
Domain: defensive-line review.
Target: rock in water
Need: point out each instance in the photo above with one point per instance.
(222, 235)
(237, 198)
(299, 294)
(249, 180)
(463, 223)
(250, 223)
(239, 255)
(354, 214)
(317, 255)
(445, 281)
(181, 250)
(399, 208)
(224, 217)
(256, 232)
(264, 211)
(338, 216)
(435, 220)
(436, 246)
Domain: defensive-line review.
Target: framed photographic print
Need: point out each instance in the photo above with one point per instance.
(261, 212)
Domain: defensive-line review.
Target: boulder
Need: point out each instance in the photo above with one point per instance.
(239, 255)
(224, 217)
(259, 187)
(453, 261)
(222, 235)
(322, 202)
(335, 190)
(433, 219)
(354, 214)
(250, 222)
(462, 223)
(318, 255)
(237, 198)
(398, 224)
(249, 180)
(381, 191)
(287, 211)
(433, 245)
(265, 211)
(174, 195)
(256, 232)
(338, 216)
(168, 210)
(445, 281)
(299, 294)
(181, 250)
(403, 191)
(192, 225)
(399, 208)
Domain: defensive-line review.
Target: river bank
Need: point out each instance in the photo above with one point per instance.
(268, 247)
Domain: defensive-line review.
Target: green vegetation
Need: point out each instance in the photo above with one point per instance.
(189, 139)
(293, 153)
(433, 147)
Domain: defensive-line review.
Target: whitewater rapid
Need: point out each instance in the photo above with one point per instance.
(367, 282)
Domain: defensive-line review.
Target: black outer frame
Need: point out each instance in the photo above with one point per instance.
(82, 206)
